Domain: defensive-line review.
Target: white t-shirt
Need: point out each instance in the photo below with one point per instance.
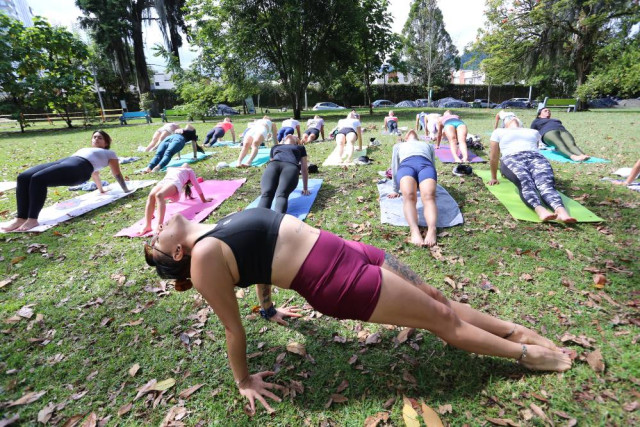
(290, 123)
(99, 157)
(315, 123)
(515, 140)
(349, 123)
(263, 122)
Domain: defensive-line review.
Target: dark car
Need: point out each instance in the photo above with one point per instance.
(513, 104)
(422, 102)
(223, 110)
(449, 102)
(378, 103)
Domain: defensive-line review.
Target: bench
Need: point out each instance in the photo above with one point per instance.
(568, 103)
(132, 115)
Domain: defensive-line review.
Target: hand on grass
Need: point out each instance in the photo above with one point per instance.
(254, 387)
(393, 195)
(283, 312)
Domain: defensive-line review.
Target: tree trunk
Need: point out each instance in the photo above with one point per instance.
(138, 47)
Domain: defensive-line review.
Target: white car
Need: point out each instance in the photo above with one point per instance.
(327, 106)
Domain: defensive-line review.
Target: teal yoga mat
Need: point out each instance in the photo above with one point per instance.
(507, 194)
(188, 158)
(261, 158)
(557, 157)
(299, 205)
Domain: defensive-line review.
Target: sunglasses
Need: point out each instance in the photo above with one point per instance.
(149, 247)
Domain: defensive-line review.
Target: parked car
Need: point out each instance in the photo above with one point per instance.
(513, 104)
(327, 106)
(406, 104)
(525, 100)
(422, 102)
(381, 103)
(483, 103)
(223, 110)
(450, 102)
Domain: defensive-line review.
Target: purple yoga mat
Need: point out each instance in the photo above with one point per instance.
(444, 154)
(192, 209)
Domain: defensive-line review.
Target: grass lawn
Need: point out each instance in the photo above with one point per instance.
(91, 310)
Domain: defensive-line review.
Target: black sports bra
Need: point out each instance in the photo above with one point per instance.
(252, 235)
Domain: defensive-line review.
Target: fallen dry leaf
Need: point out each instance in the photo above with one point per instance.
(145, 389)
(75, 419)
(26, 311)
(403, 335)
(373, 339)
(297, 348)
(343, 385)
(430, 417)
(445, 409)
(409, 415)
(124, 409)
(186, 393)
(374, 420)
(134, 370)
(8, 281)
(163, 385)
(631, 406)
(595, 360)
(176, 413)
(338, 398)
(538, 411)
(599, 280)
(45, 414)
(17, 259)
(28, 398)
(502, 422)
(91, 421)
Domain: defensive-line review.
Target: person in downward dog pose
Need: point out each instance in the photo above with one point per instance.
(391, 122)
(529, 170)
(349, 130)
(218, 132)
(280, 178)
(259, 132)
(456, 133)
(176, 181)
(171, 146)
(289, 126)
(412, 170)
(167, 130)
(340, 278)
(32, 184)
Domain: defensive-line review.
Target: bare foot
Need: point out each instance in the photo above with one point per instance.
(619, 182)
(28, 225)
(545, 214)
(564, 216)
(156, 169)
(465, 160)
(416, 239)
(430, 238)
(146, 170)
(585, 157)
(457, 159)
(144, 230)
(575, 158)
(14, 224)
(543, 359)
(244, 165)
(525, 335)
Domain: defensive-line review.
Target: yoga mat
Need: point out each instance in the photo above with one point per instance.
(226, 144)
(557, 157)
(507, 194)
(449, 214)
(192, 209)
(444, 154)
(299, 205)
(7, 185)
(188, 158)
(67, 209)
(261, 158)
(334, 157)
(623, 172)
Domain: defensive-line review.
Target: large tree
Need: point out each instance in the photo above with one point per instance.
(544, 38)
(294, 39)
(430, 53)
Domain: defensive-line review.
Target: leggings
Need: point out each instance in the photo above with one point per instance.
(213, 135)
(392, 126)
(166, 150)
(563, 142)
(31, 191)
(284, 132)
(532, 174)
(279, 180)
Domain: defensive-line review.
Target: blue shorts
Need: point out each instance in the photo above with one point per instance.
(418, 168)
(284, 132)
(454, 122)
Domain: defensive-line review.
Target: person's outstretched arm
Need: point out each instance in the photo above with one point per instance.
(635, 171)
(233, 134)
(439, 134)
(298, 130)
(114, 165)
(304, 170)
(395, 163)
(495, 124)
(196, 186)
(417, 122)
(95, 176)
(322, 131)
(359, 130)
(494, 160)
(274, 134)
(194, 145)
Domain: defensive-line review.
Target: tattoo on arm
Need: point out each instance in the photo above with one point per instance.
(121, 181)
(402, 270)
(266, 294)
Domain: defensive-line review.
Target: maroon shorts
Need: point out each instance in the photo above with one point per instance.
(341, 278)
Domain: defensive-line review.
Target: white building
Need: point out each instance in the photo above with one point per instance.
(161, 81)
(18, 9)
(393, 78)
(467, 77)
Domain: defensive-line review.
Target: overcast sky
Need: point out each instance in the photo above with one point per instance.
(462, 27)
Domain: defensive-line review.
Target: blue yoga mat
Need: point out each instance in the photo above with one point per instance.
(225, 144)
(299, 205)
(261, 158)
(186, 158)
(557, 157)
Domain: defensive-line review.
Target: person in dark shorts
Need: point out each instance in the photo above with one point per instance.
(340, 278)
(315, 128)
(288, 161)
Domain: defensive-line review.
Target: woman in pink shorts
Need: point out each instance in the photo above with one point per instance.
(340, 278)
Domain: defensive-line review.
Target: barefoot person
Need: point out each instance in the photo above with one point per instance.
(349, 130)
(176, 181)
(315, 128)
(167, 130)
(171, 146)
(31, 191)
(456, 133)
(259, 132)
(412, 170)
(218, 132)
(555, 135)
(635, 171)
(288, 127)
(288, 161)
(391, 122)
(529, 170)
(340, 278)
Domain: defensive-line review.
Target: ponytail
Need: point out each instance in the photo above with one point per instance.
(187, 190)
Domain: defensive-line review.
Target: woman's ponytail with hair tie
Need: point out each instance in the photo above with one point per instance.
(182, 285)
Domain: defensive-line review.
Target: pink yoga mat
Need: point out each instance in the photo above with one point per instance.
(192, 209)
(444, 154)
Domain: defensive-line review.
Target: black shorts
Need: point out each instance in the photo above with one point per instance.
(345, 131)
(312, 131)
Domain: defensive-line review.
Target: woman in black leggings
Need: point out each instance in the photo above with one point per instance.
(280, 178)
(85, 163)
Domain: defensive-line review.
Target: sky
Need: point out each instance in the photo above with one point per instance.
(462, 27)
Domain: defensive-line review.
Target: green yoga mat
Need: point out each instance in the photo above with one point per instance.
(507, 194)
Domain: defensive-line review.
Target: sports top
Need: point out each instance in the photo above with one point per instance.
(252, 235)
(288, 153)
(315, 123)
(98, 157)
(545, 125)
(515, 140)
(290, 123)
(225, 126)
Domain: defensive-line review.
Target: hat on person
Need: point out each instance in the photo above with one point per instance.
(462, 170)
